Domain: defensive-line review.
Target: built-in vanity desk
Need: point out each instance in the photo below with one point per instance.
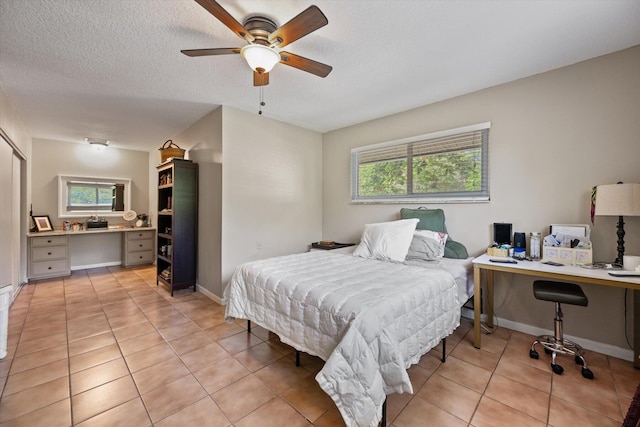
(50, 253)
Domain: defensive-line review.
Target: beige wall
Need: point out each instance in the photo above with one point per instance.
(553, 137)
(271, 188)
(51, 158)
(203, 140)
(13, 128)
(260, 183)
(12, 125)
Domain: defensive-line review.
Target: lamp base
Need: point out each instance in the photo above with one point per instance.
(620, 233)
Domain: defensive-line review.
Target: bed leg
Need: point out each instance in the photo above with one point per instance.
(248, 326)
(297, 357)
(383, 421)
(444, 350)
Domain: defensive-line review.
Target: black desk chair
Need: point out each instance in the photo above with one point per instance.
(565, 293)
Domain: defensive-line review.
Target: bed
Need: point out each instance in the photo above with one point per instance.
(369, 319)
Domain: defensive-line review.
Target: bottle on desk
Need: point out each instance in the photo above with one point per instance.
(534, 246)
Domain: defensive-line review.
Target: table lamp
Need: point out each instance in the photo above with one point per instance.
(618, 200)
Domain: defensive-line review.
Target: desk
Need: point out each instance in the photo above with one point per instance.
(568, 273)
(49, 253)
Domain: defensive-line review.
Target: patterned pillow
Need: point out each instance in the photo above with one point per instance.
(427, 245)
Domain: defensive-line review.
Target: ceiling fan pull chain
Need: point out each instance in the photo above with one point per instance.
(262, 104)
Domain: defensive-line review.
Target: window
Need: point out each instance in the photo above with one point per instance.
(84, 196)
(88, 196)
(438, 167)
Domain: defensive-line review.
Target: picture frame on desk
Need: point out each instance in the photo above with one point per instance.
(42, 222)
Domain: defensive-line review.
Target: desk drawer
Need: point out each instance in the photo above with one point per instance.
(48, 241)
(140, 245)
(138, 235)
(134, 258)
(53, 268)
(45, 254)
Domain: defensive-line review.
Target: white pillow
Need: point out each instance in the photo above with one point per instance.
(427, 245)
(387, 241)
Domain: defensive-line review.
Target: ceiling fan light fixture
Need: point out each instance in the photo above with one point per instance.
(260, 58)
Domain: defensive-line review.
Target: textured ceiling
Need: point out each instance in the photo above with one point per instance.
(113, 68)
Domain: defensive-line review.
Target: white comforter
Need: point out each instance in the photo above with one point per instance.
(369, 320)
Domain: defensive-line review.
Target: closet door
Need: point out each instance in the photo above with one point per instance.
(16, 226)
(6, 213)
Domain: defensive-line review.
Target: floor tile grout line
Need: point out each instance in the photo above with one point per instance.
(144, 405)
(176, 304)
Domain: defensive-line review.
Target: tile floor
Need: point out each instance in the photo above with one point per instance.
(106, 347)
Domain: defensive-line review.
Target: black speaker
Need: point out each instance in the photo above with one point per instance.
(519, 242)
(502, 233)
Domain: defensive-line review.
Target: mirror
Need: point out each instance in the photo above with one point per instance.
(85, 196)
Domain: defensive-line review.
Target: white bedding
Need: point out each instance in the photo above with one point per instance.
(460, 269)
(368, 319)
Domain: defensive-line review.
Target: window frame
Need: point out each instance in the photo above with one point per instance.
(442, 197)
(65, 211)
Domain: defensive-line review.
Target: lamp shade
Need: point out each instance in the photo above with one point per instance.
(260, 58)
(618, 200)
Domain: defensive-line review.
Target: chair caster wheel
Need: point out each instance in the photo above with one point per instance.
(579, 360)
(533, 354)
(586, 372)
(557, 369)
(546, 350)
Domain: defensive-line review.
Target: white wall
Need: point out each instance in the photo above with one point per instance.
(271, 188)
(553, 137)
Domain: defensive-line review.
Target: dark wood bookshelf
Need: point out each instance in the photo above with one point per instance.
(177, 235)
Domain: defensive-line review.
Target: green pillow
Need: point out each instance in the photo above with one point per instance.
(433, 219)
(430, 219)
(455, 250)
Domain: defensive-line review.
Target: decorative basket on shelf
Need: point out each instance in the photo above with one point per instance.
(170, 150)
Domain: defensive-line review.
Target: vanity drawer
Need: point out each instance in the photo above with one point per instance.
(45, 254)
(134, 258)
(48, 241)
(140, 245)
(53, 268)
(138, 235)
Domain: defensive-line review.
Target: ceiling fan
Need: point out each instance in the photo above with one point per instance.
(264, 36)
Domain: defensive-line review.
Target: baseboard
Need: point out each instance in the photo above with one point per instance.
(608, 349)
(102, 264)
(206, 292)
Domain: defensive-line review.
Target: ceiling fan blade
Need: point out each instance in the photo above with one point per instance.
(225, 17)
(209, 52)
(260, 79)
(305, 64)
(306, 22)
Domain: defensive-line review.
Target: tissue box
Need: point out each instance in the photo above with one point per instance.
(571, 256)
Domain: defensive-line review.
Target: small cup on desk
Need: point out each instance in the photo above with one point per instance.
(630, 262)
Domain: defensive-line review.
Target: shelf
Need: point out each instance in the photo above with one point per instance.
(165, 281)
(177, 181)
(164, 258)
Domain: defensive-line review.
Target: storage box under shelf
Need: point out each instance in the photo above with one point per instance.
(499, 252)
(571, 256)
